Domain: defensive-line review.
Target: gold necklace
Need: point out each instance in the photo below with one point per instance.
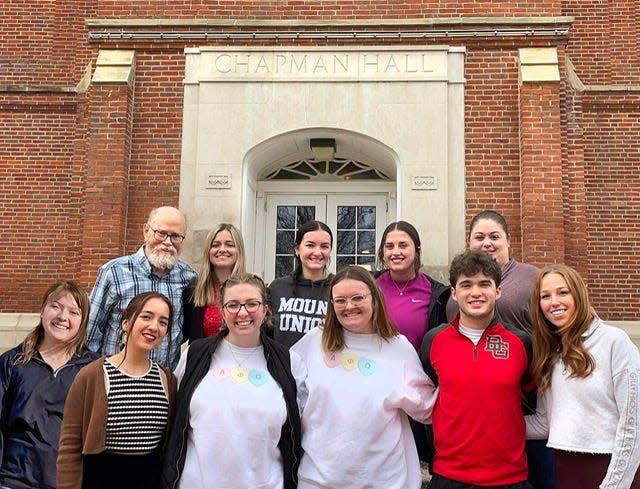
(400, 290)
(240, 373)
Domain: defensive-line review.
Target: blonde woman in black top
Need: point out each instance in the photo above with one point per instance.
(223, 256)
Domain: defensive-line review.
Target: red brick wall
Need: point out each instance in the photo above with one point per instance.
(41, 194)
(612, 201)
(605, 43)
(107, 166)
(154, 177)
(328, 10)
(541, 173)
(573, 182)
(492, 144)
(43, 43)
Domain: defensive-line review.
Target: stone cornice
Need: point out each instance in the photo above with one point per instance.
(438, 21)
(447, 27)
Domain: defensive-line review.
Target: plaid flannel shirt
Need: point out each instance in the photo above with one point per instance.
(119, 281)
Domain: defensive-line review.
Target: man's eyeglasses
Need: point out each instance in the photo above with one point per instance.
(356, 300)
(234, 307)
(161, 235)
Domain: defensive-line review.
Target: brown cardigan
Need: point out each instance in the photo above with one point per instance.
(84, 422)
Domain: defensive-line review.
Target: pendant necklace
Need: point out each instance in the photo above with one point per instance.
(400, 290)
(240, 372)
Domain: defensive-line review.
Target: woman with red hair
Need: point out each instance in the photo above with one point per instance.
(588, 377)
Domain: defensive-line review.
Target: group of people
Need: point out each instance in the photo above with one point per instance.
(506, 378)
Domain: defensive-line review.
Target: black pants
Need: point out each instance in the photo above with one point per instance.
(540, 461)
(439, 482)
(111, 470)
(423, 444)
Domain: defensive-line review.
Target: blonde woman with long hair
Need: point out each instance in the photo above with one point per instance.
(223, 256)
(588, 376)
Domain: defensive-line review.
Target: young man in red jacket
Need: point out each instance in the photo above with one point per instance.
(482, 369)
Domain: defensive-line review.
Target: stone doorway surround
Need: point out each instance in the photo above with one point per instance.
(407, 99)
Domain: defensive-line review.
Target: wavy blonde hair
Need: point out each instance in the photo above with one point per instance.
(550, 344)
(207, 284)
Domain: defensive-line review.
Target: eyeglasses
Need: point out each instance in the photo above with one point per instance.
(356, 300)
(161, 235)
(234, 307)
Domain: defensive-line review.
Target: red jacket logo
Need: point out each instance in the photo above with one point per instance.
(498, 348)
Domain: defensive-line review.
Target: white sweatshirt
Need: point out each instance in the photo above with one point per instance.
(599, 413)
(355, 431)
(235, 421)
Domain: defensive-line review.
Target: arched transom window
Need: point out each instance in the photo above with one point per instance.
(339, 169)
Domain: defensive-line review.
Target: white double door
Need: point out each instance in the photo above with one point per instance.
(357, 221)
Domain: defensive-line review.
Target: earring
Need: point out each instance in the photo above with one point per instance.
(123, 341)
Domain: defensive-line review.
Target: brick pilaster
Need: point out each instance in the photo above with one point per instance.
(108, 157)
(540, 157)
(574, 180)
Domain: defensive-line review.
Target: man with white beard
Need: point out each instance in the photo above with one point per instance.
(154, 267)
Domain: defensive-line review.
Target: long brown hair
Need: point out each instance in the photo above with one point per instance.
(332, 332)
(412, 232)
(133, 310)
(74, 346)
(549, 344)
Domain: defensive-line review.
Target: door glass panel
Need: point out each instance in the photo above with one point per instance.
(367, 217)
(289, 219)
(346, 217)
(284, 242)
(286, 216)
(304, 213)
(346, 243)
(366, 243)
(356, 236)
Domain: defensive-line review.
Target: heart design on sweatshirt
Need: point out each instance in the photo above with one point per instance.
(258, 378)
(332, 359)
(240, 375)
(221, 373)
